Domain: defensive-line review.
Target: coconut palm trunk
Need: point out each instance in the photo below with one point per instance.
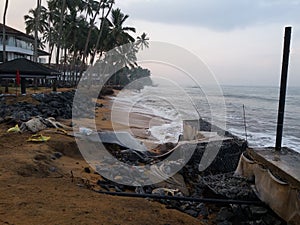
(90, 31)
(4, 32)
(37, 20)
(104, 18)
(4, 41)
(35, 53)
(60, 31)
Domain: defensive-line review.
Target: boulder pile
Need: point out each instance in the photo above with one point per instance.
(56, 105)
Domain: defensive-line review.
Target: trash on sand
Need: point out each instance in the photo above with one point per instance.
(165, 191)
(60, 130)
(14, 129)
(85, 131)
(123, 139)
(52, 122)
(34, 125)
(38, 138)
(37, 124)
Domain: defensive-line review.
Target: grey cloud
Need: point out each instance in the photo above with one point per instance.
(216, 14)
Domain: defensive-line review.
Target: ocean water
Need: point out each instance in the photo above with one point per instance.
(178, 104)
(261, 111)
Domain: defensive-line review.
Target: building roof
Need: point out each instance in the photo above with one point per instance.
(27, 69)
(16, 33)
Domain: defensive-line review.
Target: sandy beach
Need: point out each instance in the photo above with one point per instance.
(49, 182)
(35, 188)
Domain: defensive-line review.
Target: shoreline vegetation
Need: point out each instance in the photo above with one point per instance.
(49, 182)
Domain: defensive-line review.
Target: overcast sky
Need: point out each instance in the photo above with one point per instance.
(239, 40)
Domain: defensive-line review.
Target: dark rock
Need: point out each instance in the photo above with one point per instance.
(52, 169)
(139, 190)
(103, 184)
(57, 155)
(106, 91)
(225, 223)
(257, 211)
(224, 214)
(230, 186)
(202, 209)
(40, 157)
(57, 105)
(192, 212)
(87, 170)
(271, 220)
(118, 189)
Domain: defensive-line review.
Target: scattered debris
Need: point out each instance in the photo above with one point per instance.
(34, 125)
(38, 138)
(85, 131)
(167, 191)
(14, 129)
(37, 124)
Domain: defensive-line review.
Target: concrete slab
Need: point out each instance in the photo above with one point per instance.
(286, 164)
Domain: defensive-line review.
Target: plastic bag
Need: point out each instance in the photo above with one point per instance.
(38, 138)
(14, 129)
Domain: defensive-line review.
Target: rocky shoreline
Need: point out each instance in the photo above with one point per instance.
(216, 182)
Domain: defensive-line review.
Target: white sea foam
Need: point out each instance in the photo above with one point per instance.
(167, 132)
(261, 112)
(156, 102)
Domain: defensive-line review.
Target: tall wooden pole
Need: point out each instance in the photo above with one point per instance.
(284, 73)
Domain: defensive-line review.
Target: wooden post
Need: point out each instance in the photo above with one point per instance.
(284, 73)
(54, 85)
(6, 85)
(23, 86)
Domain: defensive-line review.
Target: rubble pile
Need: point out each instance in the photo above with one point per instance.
(216, 182)
(56, 105)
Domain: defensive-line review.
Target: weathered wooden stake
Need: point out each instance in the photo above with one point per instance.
(284, 73)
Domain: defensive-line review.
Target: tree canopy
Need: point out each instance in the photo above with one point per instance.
(80, 31)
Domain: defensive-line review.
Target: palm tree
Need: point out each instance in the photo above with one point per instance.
(121, 58)
(103, 30)
(92, 26)
(32, 17)
(36, 21)
(125, 55)
(89, 6)
(119, 35)
(4, 40)
(4, 35)
(51, 34)
(63, 8)
(36, 33)
(118, 38)
(49, 37)
(142, 41)
(61, 22)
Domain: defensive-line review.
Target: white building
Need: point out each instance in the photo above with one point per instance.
(18, 45)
